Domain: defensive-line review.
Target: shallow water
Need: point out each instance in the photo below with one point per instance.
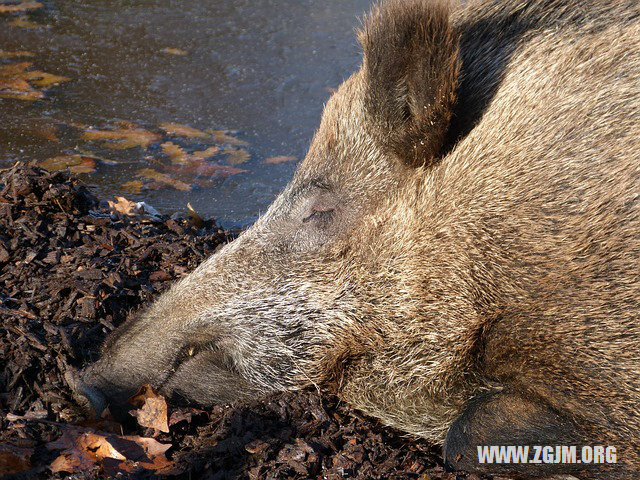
(261, 68)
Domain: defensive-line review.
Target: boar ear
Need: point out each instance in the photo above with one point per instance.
(411, 71)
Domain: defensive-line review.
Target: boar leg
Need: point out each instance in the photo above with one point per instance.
(510, 419)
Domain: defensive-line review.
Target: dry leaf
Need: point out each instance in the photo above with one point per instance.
(236, 156)
(75, 164)
(84, 450)
(152, 408)
(129, 136)
(134, 186)
(155, 459)
(127, 207)
(224, 138)
(123, 206)
(19, 7)
(182, 130)
(174, 51)
(196, 219)
(164, 179)
(14, 460)
(157, 276)
(184, 414)
(280, 159)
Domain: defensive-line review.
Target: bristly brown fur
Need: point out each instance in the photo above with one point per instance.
(411, 68)
(491, 297)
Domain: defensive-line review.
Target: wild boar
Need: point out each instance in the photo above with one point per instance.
(458, 253)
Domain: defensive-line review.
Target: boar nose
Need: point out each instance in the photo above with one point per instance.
(86, 393)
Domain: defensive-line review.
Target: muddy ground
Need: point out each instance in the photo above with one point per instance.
(72, 270)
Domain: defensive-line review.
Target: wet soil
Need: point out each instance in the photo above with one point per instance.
(71, 271)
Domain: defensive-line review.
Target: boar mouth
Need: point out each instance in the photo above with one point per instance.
(94, 393)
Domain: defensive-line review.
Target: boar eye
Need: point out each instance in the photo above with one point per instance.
(320, 215)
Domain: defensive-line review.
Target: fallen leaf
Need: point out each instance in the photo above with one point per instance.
(83, 450)
(162, 178)
(14, 460)
(182, 130)
(184, 414)
(174, 51)
(74, 163)
(236, 156)
(280, 159)
(157, 276)
(223, 137)
(196, 219)
(105, 422)
(134, 186)
(5, 54)
(19, 7)
(154, 451)
(129, 136)
(123, 206)
(152, 408)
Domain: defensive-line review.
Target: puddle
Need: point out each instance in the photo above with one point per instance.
(260, 70)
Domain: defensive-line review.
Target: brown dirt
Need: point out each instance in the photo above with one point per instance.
(70, 272)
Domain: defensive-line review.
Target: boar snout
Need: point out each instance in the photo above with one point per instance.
(188, 362)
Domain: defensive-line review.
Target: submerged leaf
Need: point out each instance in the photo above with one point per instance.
(24, 53)
(204, 154)
(179, 156)
(182, 130)
(174, 51)
(43, 79)
(134, 186)
(236, 156)
(174, 152)
(75, 163)
(24, 22)
(202, 168)
(127, 137)
(19, 7)
(164, 179)
(224, 138)
(16, 80)
(280, 159)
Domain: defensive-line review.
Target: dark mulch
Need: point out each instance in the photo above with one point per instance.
(71, 271)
